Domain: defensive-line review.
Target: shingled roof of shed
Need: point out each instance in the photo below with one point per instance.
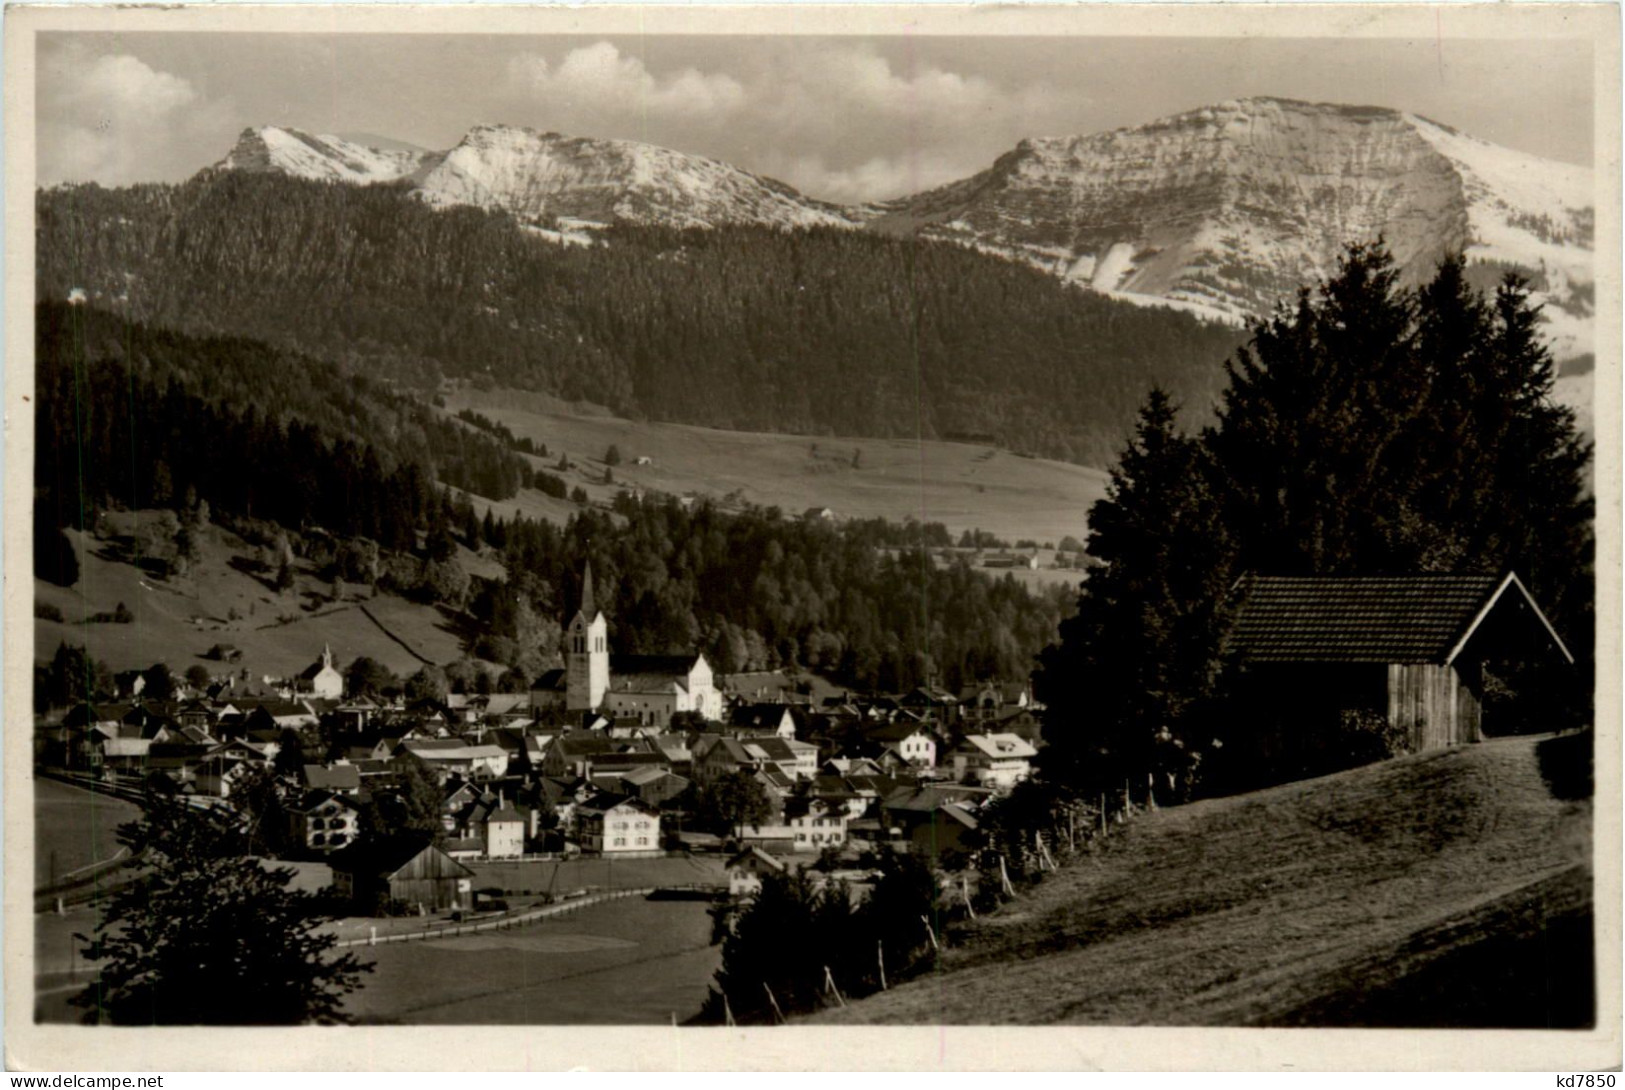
(1389, 619)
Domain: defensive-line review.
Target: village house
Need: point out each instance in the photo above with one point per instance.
(1316, 653)
(947, 828)
(453, 755)
(504, 833)
(993, 760)
(617, 825)
(650, 784)
(909, 740)
(342, 779)
(764, 719)
(989, 700)
(745, 871)
(324, 821)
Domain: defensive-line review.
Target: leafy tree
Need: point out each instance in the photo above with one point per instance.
(70, 677)
(257, 800)
(284, 574)
(612, 456)
(429, 683)
(367, 676)
(732, 800)
(411, 806)
(290, 757)
(160, 684)
(197, 676)
(206, 935)
(513, 680)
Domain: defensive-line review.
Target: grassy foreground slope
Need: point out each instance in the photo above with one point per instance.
(1447, 889)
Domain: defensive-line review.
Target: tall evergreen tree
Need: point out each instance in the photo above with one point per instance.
(1372, 429)
(1142, 650)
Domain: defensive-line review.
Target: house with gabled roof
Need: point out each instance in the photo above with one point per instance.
(993, 760)
(764, 719)
(1313, 651)
(342, 779)
(910, 740)
(745, 871)
(617, 825)
(324, 821)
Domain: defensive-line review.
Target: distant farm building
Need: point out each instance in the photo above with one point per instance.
(409, 870)
(1012, 560)
(1317, 652)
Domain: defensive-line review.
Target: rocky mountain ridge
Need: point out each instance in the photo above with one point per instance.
(1225, 210)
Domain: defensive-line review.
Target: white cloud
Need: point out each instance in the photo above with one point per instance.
(600, 77)
(825, 118)
(114, 119)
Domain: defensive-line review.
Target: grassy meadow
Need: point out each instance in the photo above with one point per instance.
(962, 485)
(1450, 888)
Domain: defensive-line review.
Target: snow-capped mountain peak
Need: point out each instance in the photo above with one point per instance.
(1229, 208)
(1225, 210)
(321, 158)
(540, 175)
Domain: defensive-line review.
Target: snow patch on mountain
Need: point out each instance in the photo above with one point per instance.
(1231, 208)
(543, 176)
(320, 158)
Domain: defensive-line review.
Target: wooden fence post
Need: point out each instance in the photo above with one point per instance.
(775, 1002)
(930, 934)
(1004, 877)
(830, 988)
(880, 947)
(964, 885)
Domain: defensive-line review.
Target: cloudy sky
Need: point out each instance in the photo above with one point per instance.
(840, 118)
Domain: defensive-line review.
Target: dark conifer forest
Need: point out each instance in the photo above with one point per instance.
(821, 332)
(135, 417)
(1375, 430)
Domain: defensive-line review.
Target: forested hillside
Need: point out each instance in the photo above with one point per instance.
(137, 416)
(822, 332)
(134, 417)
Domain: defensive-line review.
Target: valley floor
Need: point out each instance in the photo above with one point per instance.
(1445, 889)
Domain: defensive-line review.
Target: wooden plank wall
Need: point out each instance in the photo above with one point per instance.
(1433, 705)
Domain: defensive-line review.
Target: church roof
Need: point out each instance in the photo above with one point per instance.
(675, 667)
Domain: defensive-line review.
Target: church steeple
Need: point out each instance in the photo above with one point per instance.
(587, 652)
(588, 607)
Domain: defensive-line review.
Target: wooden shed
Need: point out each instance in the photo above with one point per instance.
(409, 869)
(1314, 650)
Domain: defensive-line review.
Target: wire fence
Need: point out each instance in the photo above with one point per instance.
(507, 923)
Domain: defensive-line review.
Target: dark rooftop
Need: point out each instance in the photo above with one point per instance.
(1369, 619)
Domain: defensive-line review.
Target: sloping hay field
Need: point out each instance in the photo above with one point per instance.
(962, 485)
(1445, 889)
(176, 620)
